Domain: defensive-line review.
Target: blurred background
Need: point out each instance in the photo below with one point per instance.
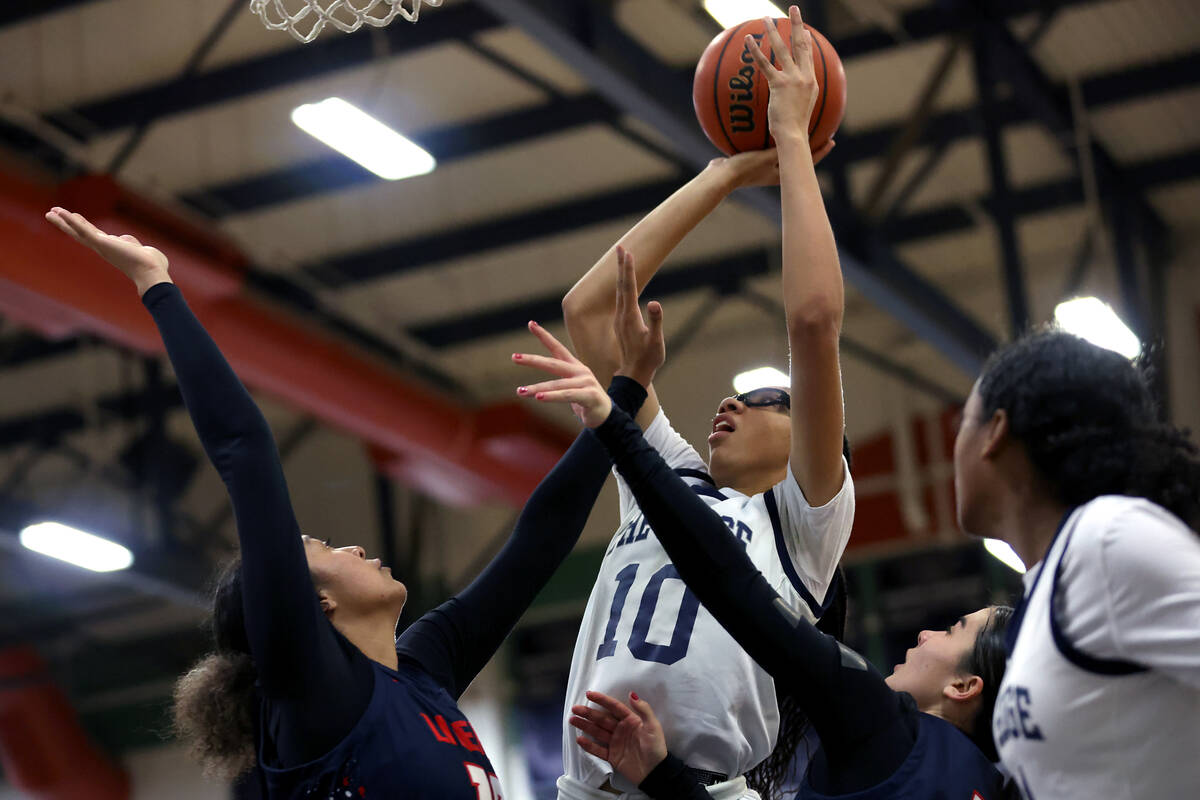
(998, 157)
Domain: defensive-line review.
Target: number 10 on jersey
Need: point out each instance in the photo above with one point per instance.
(641, 649)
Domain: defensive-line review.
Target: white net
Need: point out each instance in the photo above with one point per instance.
(305, 19)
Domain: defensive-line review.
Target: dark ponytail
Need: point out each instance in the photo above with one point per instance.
(987, 659)
(214, 701)
(773, 775)
(1088, 422)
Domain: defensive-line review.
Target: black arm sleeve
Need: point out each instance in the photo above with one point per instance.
(862, 723)
(670, 780)
(319, 683)
(455, 640)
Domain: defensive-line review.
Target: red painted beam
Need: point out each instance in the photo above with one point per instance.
(43, 748)
(52, 285)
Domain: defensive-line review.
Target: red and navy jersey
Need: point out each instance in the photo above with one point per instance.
(411, 742)
(331, 722)
(943, 765)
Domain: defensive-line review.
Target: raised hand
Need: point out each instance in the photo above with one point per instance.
(575, 384)
(642, 348)
(793, 83)
(143, 265)
(630, 739)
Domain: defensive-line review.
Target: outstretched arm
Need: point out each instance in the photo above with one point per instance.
(454, 641)
(293, 646)
(813, 294)
(844, 697)
(588, 307)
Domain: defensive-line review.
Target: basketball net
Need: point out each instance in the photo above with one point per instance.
(310, 17)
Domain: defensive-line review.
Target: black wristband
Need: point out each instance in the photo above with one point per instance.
(627, 394)
(671, 779)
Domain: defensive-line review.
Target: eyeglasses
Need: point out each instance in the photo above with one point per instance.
(765, 397)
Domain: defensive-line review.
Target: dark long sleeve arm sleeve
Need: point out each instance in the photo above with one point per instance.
(295, 650)
(455, 640)
(857, 716)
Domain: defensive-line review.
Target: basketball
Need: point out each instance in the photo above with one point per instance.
(730, 95)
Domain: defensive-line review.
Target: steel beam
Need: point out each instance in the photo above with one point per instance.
(470, 240)
(447, 143)
(1034, 92)
(438, 443)
(943, 129)
(940, 19)
(17, 11)
(986, 84)
(586, 36)
(931, 222)
(261, 73)
(723, 274)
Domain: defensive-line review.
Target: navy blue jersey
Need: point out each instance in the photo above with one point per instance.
(333, 723)
(942, 765)
(412, 742)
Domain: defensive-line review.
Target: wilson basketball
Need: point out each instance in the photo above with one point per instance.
(731, 96)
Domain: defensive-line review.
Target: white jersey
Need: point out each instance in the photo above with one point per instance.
(643, 632)
(1102, 694)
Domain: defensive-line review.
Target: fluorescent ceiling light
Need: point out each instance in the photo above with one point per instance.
(1005, 554)
(360, 137)
(728, 13)
(76, 547)
(757, 378)
(1094, 320)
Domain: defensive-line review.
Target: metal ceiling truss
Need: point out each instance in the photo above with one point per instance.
(943, 129)
(586, 36)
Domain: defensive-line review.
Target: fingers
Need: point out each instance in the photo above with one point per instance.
(780, 50)
(87, 232)
(610, 704)
(595, 732)
(591, 747)
(552, 345)
(59, 221)
(533, 390)
(585, 382)
(801, 39)
(586, 397)
(643, 710)
(622, 279)
(555, 366)
(760, 59)
(596, 716)
(629, 315)
(655, 312)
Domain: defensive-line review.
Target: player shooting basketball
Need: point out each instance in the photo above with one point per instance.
(775, 472)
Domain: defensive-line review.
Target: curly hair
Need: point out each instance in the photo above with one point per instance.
(214, 701)
(1089, 423)
(771, 777)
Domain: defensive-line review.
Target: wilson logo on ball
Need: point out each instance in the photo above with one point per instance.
(731, 95)
(741, 85)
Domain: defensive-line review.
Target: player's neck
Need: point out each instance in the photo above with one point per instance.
(373, 636)
(1029, 523)
(751, 482)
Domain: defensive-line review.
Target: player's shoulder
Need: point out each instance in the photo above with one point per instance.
(1116, 535)
(1117, 519)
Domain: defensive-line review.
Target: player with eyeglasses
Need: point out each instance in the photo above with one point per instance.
(776, 475)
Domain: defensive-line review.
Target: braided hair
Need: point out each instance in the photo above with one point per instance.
(1089, 423)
